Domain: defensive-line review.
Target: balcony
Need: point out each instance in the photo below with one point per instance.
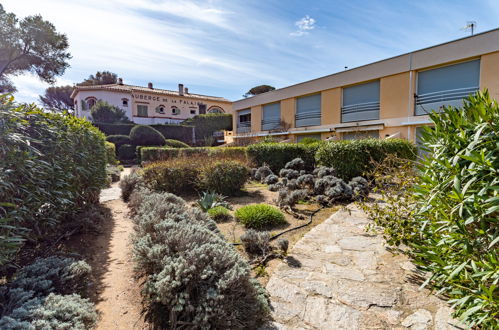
(271, 124)
(360, 112)
(435, 101)
(243, 127)
(310, 118)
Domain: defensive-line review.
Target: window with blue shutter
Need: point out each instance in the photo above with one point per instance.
(446, 86)
(271, 116)
(244, 121)
(308, 110)
(360, 102)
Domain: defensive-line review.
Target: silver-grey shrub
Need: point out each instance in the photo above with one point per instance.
(296, 164)
(194, 277)
(256, 242)
(271, 179)
(263, 172)
(129, 183)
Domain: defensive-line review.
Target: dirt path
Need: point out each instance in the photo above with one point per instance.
(117, 292)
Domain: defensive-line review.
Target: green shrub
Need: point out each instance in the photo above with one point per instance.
(193, 275)
(104, 112)
(143, 135)
(114, 129)
(356, 157)
(52, 167)
(207, 124)
(176, 144)
(176, 176)
(210, 200)
(119, 140)
(219, 214)
(224, 177)
(259, 216)
(182, 133)
(126, 152)
(111, 153)
(151, 154)
(276, 155)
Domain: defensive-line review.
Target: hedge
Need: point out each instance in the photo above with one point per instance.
(111, 153)
(119, 140)
(176, 144)
(52, 166)
(355, 158)
(126, 152)
(164, 153)
(182, 133)
(276, 155)
(207, 124)
(143, 135)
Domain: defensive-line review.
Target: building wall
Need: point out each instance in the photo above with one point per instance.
(331, 106)
(113, 98)
(395, 95)
(256, 119)
(489, 74)
(288, 107)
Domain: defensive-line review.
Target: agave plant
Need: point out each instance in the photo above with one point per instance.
(209, 200)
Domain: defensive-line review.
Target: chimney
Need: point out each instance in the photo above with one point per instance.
(120, 81)
(149, 85)
(186, 90)
(180, 89)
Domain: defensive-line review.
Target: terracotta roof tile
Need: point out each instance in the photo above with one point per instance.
(131, 88)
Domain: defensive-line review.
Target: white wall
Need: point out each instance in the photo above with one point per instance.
(156, 120)
(112, 98)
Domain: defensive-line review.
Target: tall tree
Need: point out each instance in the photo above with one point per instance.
(259, 90)
(30, 45)
(58, 98)
(100, 78)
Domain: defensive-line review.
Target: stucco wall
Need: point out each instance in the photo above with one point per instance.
(112, 98)
(256, 119)
(331, 106)
(288, 111)
(489, 74)
(394, 95)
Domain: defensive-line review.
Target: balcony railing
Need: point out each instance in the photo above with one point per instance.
(312, 118)
(360, 112)
(244, 127)
(436, 100)
(271, 124)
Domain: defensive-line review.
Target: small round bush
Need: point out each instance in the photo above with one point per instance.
(127, 152)
(143, 135)
(219, 214)
(271, 179)
(129, 184)
(176, 144)
(119, 140)
(262, 173)
(224, 177)
(260, 216)
(295, 164)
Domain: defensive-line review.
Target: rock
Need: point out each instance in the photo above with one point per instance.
(444, 320)
(285, 291)
(366, 296)
(340, 272)
(357, 243)
(283, 312)
(419, 320)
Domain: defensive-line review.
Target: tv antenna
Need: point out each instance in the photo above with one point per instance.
(470, 26)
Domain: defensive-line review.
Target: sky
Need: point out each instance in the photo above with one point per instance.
(225, 47)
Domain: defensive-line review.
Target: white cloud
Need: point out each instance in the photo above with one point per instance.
(304, 25)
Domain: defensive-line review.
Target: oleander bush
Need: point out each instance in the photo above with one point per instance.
(447, 213)
(260, 216)
(220, 214)
(224, 177)
(144, 135)
(194, 277)
(52, 167)
(119, 140)
(176, 144)
(355, 158)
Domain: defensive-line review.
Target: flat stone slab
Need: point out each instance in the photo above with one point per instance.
(348, 280)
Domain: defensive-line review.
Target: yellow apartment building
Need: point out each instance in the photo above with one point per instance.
(389, 98)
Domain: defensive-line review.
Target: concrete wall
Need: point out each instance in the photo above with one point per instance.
(489, 74)
(256, 119)
(331, 106)
(288, 109)
(112, 98)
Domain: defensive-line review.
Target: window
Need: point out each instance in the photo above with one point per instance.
(160, 109)
(125, 102)
(360, 102)
(244, 121)
(175, 110)
(215, 109)
(358, 135)
(90, 102)
(446, 85)
(271, 116)
(308, 110)
(141, 110)
(193, 112)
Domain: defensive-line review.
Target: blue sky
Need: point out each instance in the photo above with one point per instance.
(225, 47)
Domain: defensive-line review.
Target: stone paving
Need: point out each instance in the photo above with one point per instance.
(338, 276)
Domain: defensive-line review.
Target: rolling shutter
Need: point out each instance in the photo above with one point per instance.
(360, 102)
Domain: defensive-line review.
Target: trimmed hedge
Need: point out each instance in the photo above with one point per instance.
(163, 153)
(114, 129)
(176, 144)
(127, 152)
(52, 167)
(355, 158)
(276, 155)
(143, 135)
(119, 140)
(182, 133)
(111, 153)
(207, 124)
